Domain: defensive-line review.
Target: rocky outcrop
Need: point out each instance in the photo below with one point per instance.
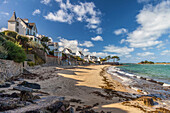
(30, 85)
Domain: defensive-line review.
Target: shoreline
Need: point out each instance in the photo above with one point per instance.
(89, 87)
(144, 86)
(154, 80)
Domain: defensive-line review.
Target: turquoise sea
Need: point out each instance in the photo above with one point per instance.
(157, 72)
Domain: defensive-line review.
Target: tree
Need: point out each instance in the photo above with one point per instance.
(108, 57)
(115, 58)
(103, 59)
(45, 39)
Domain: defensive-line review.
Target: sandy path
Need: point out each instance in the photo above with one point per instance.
(80, 83)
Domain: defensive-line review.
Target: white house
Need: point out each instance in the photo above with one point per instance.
(23, 27)
(67, 51)
(87, 58)
(80, 54)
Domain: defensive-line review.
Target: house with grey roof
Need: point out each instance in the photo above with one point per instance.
(23, 27)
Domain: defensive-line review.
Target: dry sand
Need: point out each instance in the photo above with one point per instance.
(80, 83)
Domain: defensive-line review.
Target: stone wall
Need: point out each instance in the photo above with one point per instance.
(52, 60)
(9, 68)
(31, 57)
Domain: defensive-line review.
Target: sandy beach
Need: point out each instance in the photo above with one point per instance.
(88, 87)
(84, 83)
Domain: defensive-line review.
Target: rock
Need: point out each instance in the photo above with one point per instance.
(15, 95)
(75, 100)
(142, 78)
(79, 108)
(95, 104)
(30, 85)
(5, 85)
(161, 83)
(22, 88)
(26, 96)
(55, 107)
(151, 80)
(148, 101)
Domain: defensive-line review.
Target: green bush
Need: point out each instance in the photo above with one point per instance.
(31, 63)
(3, 52)
(23, 40)
(15, 52)
(38, 60)
(8, 37)
(11, 33)
(2, 39)
(34, 44)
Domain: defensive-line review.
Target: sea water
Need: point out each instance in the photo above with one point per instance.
(153, 71)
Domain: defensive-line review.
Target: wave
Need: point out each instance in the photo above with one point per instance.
(128, 78)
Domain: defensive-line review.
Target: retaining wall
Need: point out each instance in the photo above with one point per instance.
(9, 68)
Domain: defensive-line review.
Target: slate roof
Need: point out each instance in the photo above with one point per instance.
(13, 18)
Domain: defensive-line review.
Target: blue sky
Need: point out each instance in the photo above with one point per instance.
(135, 30)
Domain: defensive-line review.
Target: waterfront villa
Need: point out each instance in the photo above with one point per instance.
(23, 27)
(80, 54)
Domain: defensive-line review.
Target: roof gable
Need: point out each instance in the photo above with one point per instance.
(13, 18)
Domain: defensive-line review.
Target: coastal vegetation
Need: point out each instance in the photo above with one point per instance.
(10, 50)
(146, 62)
(15, 47)
(115, 58)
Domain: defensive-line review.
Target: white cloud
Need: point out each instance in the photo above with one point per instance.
(120, 31)
(101, 54)
(4, 13)
(71, 44)
(61, 16)
(145, 54)
(97, 38)
(3, 29)
(165, 52)
(82, 12)
(37, 11)
(154, 22)
(99, 30)
(45, 2)
(119, 50)
(87, 44)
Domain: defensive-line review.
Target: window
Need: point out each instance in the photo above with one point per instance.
(17, 23)
(27, 31)
(34, 33)
(17, 30)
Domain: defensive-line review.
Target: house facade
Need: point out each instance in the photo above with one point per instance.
(80, 54)
(23, 27)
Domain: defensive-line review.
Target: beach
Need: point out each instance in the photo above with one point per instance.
(92, 86)
(81, 83)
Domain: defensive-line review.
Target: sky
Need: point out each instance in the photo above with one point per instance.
(134, 30)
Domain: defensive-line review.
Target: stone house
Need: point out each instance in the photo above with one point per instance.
(23, 27)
